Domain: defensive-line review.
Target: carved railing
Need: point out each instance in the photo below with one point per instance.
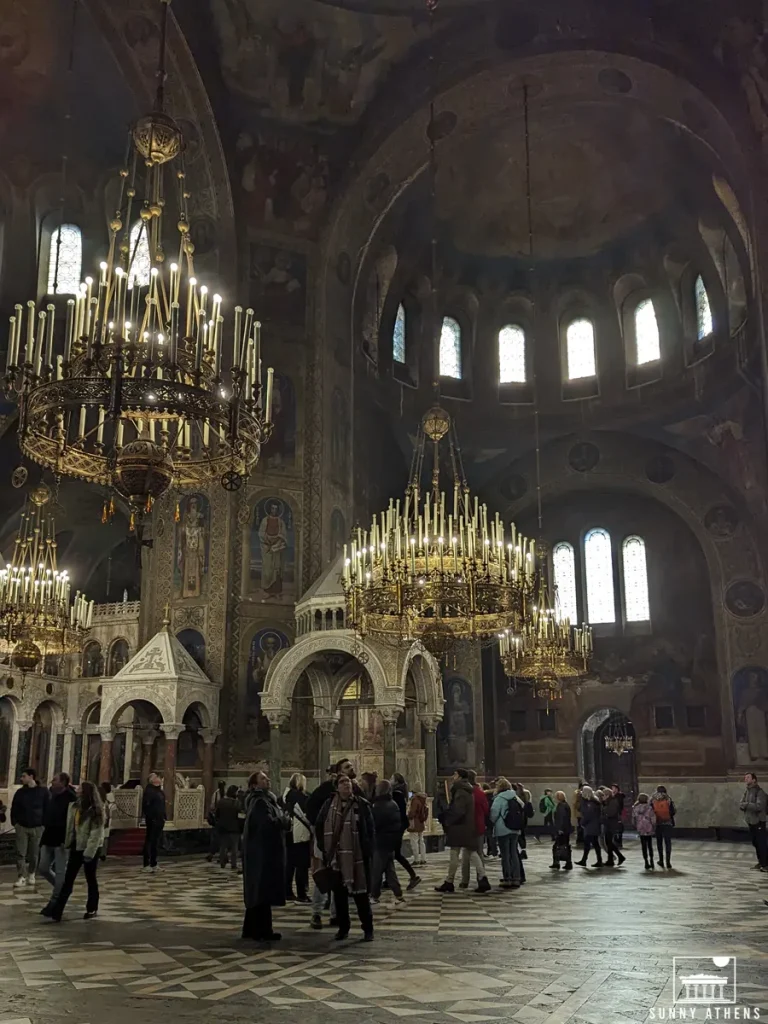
(122, 608)
(189, 810)
(126, 810)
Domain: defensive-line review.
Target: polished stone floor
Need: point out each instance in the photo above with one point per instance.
(587, 947)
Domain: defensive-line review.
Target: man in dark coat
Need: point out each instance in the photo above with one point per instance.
(153, 810)
(612, 809)
(387, 821)
(27, 813)
(591, 823)
(266, 826)
(53, 854)
(458, 823)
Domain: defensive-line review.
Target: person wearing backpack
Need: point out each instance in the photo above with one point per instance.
(458, 821)
(664, 810)
(547, 808)
(645, 822)
(508, 818)
(561, 830)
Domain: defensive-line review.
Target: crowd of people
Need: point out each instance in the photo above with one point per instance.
(344, 839)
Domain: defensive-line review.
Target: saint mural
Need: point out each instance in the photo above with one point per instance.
(263, 650)
(457, 730)
(192, 538)
(280, 450)
(273, 550)
(750, 709)
(339, 437)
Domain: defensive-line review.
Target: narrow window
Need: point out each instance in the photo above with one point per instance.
(450, 349)
(512, 355)
(139, 259)
(580, 349)
(598, 562)
(636, 603)
(647, 343)
(564, 566)
(703, 310)
(398, 336)
(65, 260)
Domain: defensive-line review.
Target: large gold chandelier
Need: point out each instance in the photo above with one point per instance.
(547, 651)
(440, 575)
(128, 384)
(37, 615)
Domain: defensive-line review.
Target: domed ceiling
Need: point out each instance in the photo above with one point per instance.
(597, 172)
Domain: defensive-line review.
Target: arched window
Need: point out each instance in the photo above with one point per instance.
(68, 257)
(512, 355)
(598, 562)
(647, 343)
(703, 309)
(580, 349)
(564, 566)
(398, 336)
(637, 607)
(450, 349)
(139, 260)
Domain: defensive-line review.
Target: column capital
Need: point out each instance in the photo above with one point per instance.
(23, 724)
(107, 735)
(172, 730)
(327, 726)
(390, 713)
(430, 722)
(210, 735)
(70, 730)
(277, 718)
(148, 736)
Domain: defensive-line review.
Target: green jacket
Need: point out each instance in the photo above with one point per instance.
(87, 836)
(549, 805)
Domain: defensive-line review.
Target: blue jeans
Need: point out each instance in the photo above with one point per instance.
(52, 866)
(510, 858)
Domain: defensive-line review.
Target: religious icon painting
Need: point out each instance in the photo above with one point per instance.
(272, 573)
(262, 651)
(192, 547)
(280, 449)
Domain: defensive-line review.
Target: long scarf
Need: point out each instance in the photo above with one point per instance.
(341, 827)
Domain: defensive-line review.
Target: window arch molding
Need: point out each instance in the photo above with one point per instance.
(635, 583)
(407, 297)
(640, 373)
(697, 349)
(516, 311)
(598, 557)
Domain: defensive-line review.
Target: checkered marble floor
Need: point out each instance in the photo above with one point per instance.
(584, 947)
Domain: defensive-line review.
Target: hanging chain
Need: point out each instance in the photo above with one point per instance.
(432, 172)
(67, 132)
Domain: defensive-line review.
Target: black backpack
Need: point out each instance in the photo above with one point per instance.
(543, 806)
(514, 817)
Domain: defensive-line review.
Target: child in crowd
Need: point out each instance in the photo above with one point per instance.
(644, 819)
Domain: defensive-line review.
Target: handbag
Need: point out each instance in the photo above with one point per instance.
(327, 878)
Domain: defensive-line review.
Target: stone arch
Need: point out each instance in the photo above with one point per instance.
(112, 668)
(427, 680)
(88, 711)
(288, 665)
(200, 708)
(113, 706)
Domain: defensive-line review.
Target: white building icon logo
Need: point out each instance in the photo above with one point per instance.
(703, 980)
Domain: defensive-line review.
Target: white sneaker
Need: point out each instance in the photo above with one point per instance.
(31, 881)
(20, 883)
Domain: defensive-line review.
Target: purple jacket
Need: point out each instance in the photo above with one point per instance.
(644, 818)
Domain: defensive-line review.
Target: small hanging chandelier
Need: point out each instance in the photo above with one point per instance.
(128, 389)
(434, 574)
(37, 617)
(618, 739)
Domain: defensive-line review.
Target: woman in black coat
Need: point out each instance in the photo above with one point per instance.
(387, 821)
(400, 796)
(591, 823)
(266, 826)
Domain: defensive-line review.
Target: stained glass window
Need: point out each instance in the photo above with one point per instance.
(636, 604)
(599, 570)
(140, 260)
(564, 566)
(646, 333)
(450, 349)
(398, 336)
(70, 259)
(580, 349)
(703, 310)
(512, 355)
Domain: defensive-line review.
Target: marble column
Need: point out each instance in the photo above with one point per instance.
(430, 755)
(148, 738)
(105, 760)
(276, 720)
(58, 759)
(23, 748)
(67, 752)
(172, 733)
(327, 727)
(390, 716)
(209, 739)
(77, 757)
